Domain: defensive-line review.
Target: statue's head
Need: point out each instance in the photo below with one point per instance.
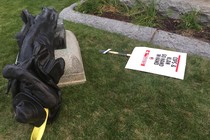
(50, 14)
(47, 16)
(28, 110)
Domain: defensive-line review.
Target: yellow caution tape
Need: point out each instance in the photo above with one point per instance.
(38, 132)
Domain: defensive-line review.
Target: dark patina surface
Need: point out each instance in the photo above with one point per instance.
(34, 77)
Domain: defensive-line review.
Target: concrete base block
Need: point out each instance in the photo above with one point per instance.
(74, 70)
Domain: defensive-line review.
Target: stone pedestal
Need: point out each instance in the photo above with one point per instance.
(74, 70)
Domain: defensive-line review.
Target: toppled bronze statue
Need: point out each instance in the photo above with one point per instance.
(34, 77)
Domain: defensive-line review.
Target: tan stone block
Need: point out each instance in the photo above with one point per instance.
(74, 71)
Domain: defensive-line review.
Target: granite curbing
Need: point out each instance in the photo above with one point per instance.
(141, 33)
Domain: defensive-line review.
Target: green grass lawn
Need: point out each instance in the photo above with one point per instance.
(114, 103)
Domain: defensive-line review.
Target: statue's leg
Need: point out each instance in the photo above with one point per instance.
(55, 69)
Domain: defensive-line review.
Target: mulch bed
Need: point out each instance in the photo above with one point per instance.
(167, 24)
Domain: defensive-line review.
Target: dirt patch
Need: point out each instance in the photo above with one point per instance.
(116, 16)
(173, 25)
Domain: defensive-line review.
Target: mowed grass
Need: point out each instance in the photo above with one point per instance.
(114, 103)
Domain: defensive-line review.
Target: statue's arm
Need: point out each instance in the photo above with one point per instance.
(28, 20)
(46, 95)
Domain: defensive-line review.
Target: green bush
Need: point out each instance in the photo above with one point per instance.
(90, 6)
(145, 15)
(190, 21)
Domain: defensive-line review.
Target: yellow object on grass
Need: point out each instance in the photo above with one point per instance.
(38, 132)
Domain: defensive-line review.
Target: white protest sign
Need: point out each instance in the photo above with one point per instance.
(157, 61)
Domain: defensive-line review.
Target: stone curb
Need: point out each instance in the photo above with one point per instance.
(141, 33)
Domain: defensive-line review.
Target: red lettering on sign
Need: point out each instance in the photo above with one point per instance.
(146, 55)
(177, 66)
